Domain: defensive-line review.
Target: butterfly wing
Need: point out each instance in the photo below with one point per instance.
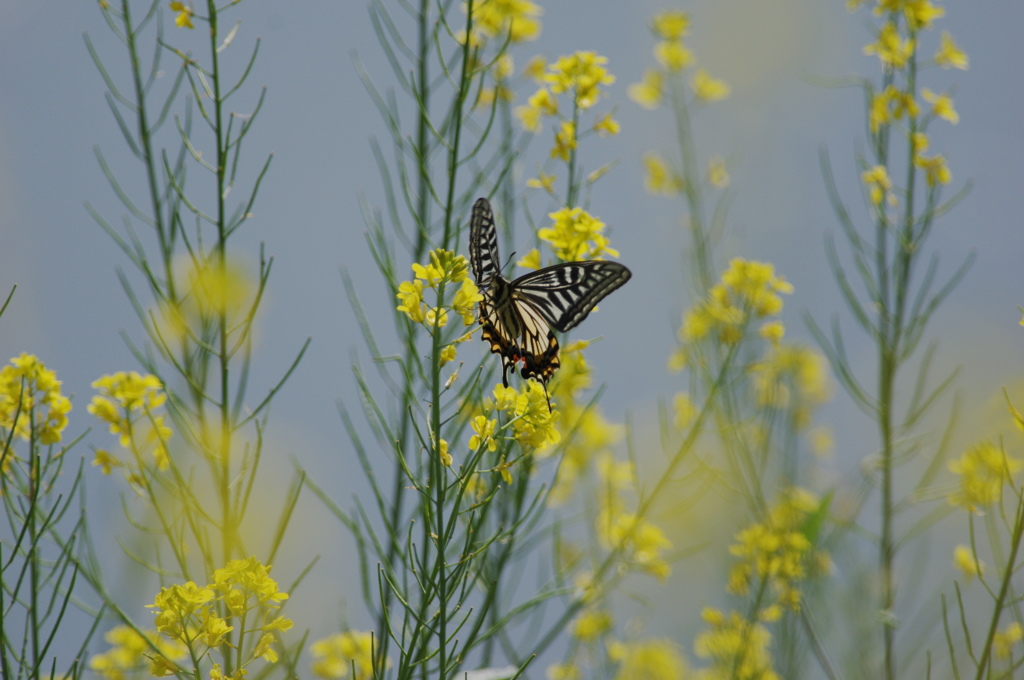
(564, 294)
(483, 244)
(518, 332)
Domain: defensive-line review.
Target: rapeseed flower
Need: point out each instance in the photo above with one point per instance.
(982, 470)
(512, 19)
(649, 659)
(576, 235)
(942, 106)
(707, 88)
(335, 656)
(131, 650)
(648, 92)
(892, 50)
(183, 19)
(659, 178)
(965, 560)
(582, 74)
(949, 55)
(31, 403)
(738, 649)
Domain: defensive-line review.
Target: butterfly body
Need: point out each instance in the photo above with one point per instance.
(518, 316)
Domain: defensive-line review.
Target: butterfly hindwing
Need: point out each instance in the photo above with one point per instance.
(517, 316)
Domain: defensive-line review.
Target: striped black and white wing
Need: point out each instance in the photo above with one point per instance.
(483, 244)
(564, 294)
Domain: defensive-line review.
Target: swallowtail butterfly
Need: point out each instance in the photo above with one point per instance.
(517, 316)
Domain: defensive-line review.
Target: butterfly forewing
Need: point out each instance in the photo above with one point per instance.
(483, 243)
(566, 293)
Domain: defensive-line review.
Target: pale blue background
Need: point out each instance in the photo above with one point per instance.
(69, 307)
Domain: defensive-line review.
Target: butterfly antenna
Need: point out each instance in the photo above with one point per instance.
(547, 396)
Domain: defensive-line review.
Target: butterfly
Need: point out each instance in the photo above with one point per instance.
(518, 316)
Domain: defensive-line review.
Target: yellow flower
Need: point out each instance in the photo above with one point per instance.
(535, 68)
(671, 25)
(659, 178)
(707, 88)
(105, 461)
(650, 660)
(512, 19)
(533, 425)
(531, 260)
(484, 429)
(31, 403)
(892, 51)
(130, 651)
(576, 235)
(446, 458)
(964, 560)
(184, 18)
(983, 469)
(542, 181)
(505, 469)
(447, 354)
(591, 625)
(684, 409)
(334, 656)
(673, 55)
(942, 105)
(718, 175)
(581, 73)
(936, 170)
(949, 55)
(437, 317)
(410, 293)
(564, 671)
(736, 647)
(647, 93)
(465, 302)
(606, 125)
(1004, 640)
(565, 141)
(878, 183)
(921, 13)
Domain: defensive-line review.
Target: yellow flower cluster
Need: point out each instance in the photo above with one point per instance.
(533, 424)
(1004, 640)
(31, 403)
(674, 57)
(515, 20)
(738, 649)
(444, 267)
(656, 659)
(983, 470)
(748, 290)
(778, 552)
(130, 651)
(580, 75)
(896, 52)
(243, 589)
(335, 656)
(127, 402)
(576, 235)
(791, 377)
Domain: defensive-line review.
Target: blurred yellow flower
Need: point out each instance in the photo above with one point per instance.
(512, 19)
(983, 470)
(649, 659)
(891, 49)
(659, 178)
(949, 55)
(31, 402)
(673, 55)
(878, 183)
(671, 25)
(335, 656)
(565, 141)
(707, 88)
(647, 93)
(942, 105)
(581, 73)
(964, 560)
(184, 16)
